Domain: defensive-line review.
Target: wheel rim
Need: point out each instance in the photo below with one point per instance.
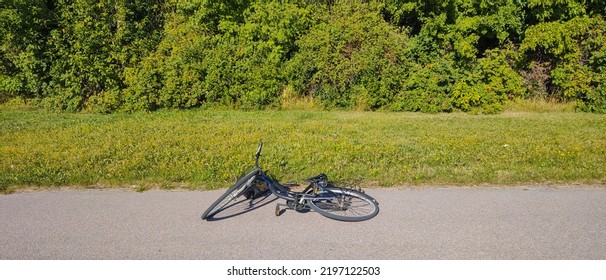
(342, 204)
(229, 198)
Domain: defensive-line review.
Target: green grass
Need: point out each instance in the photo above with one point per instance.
(541, 105)
(208, 149)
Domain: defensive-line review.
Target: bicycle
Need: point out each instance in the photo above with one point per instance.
(322, 196)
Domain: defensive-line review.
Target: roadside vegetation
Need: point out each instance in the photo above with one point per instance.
(204, 149)
(177, 94)
(387, 55)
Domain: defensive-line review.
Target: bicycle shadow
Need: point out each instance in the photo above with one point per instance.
(243, 206)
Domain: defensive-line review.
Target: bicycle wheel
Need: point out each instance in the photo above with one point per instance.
(239, 188)
(344, 204)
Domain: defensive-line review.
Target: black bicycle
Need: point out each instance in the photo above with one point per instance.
(321, 195)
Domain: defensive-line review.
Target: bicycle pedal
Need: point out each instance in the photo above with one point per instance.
(278, 211)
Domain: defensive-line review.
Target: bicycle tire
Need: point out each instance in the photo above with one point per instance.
(346, 206)
(231, 194)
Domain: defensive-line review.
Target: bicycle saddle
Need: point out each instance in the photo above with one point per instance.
(318, 178)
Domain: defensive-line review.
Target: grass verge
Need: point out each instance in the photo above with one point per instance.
(208, 149)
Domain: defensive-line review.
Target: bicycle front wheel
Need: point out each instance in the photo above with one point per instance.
(344, 204)
(239, 188)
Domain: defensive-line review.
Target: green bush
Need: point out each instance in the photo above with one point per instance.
(427, 88)
(24, 62)
(576, 52)
(233, 61)
(489, 85)
(92, 44)
(351, 59)
(404, 55)
(556, 10)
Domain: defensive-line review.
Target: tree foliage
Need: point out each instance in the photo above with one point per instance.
(351, 58)
(402, 55)
(24, 64)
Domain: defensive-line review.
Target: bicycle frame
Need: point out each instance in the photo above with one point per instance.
(284, 192)
(280, 190)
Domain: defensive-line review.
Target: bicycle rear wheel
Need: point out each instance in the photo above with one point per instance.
(238, 189)
(344, 204)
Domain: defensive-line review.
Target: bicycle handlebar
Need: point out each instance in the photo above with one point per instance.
(259, 149)
(258, 154)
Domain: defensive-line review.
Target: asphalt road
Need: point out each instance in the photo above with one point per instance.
(431, 223)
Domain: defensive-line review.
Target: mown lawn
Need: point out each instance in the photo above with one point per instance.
(203, 149)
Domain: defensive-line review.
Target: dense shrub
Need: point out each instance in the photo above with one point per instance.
(404, 55)
(233, 61)
(92, 44)
(575, 50)
(24, 64)
(427, 88)
(351, 59)
(489, 85)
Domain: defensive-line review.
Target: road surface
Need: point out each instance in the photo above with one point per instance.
(430, 223)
